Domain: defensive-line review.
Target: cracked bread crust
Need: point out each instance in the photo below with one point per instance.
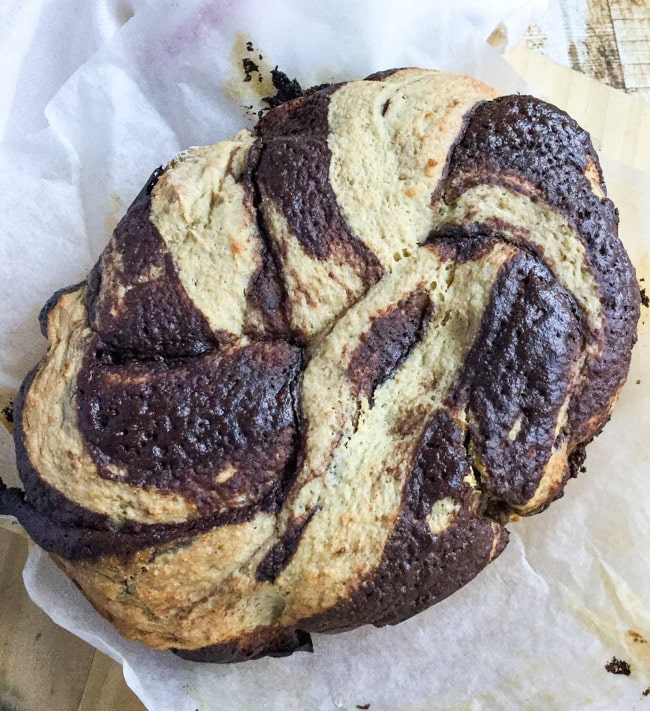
(320, 365)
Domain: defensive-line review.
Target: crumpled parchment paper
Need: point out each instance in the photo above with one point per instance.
(135, 83)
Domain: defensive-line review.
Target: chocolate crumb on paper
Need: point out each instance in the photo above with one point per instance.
(8, 412)
(618, 666)
(250, 68)
(363, 706)
(255, 84)
(645, 300)
(286, 89)
(646, 692)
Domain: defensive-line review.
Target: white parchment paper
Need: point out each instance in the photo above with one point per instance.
(145, 80)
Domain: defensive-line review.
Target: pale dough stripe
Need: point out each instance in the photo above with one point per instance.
(389, 147)
(200, 209)
(320, 289)
(149, 599)
(517, 215)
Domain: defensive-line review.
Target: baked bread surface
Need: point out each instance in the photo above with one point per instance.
(320, 365)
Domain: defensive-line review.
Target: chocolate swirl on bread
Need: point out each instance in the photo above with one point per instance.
(319, 366)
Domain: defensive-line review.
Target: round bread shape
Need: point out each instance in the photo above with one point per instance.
(320, 365)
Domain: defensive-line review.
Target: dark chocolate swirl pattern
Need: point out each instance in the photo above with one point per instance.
(320, 365)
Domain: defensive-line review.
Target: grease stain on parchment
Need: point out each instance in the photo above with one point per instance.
(250, 78)
(258, 85)
(519, 692)
(621, 624)
(499, 37)
(113, 214)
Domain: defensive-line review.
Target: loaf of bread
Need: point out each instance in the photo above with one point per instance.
(320, 365)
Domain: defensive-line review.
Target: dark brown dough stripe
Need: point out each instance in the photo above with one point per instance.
(311, 378)
(518, 374)
(464, 244)
(73, 532)
(534, 148)
(175, 426)
(380, 76)
(267, 643)
(267, 295)
(290, 167)
(279, 556)
(388, 343)
(155, 317)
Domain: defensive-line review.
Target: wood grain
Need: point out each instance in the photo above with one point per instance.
(42, 666)
(608, 40)
(631, 20)
(105, 689)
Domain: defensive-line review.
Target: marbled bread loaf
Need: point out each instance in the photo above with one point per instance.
(320, 365)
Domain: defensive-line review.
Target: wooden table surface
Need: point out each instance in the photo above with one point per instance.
(608, 40)
(45, 668)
